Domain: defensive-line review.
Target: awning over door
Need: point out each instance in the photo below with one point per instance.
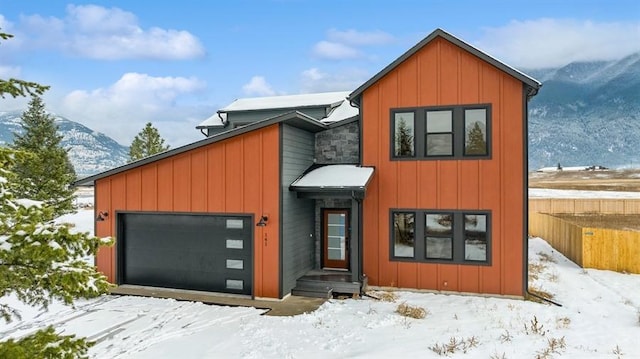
(334, 180)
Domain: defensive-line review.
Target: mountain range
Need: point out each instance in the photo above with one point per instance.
(90, 152)
(586, 113)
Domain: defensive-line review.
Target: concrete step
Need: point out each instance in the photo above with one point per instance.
(312, 291)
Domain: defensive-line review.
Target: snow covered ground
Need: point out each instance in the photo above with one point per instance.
(599, 318)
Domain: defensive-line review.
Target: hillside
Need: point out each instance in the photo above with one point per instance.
(586, 113)
(90, 152)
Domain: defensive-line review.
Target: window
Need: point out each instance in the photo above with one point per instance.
(441, 236)
(404, 135)
(404, 234)
(456, 132)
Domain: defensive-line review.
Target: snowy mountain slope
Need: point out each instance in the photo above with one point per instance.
(90, 152)
(587, 112)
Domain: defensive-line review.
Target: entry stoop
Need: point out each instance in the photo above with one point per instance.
(323, 284)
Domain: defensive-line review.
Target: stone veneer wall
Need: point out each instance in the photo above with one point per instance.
(339, 144)
(334, 146)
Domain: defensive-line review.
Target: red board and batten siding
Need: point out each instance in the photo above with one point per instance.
(442, 73)
(222, 177)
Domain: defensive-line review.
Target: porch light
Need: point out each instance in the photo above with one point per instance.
(101, 216)
(263, 221)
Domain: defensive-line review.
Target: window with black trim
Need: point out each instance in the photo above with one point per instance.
(441, 236)
(453, 132)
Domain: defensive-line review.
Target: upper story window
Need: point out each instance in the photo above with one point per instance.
(455, 132)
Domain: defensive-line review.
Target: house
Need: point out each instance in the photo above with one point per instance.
(416, 180)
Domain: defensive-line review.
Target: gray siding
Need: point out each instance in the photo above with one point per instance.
(339, 144)
(298, 242)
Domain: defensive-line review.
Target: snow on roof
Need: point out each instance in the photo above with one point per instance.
(288, 101)
(342, 112)
(213, 121)
(335, 176)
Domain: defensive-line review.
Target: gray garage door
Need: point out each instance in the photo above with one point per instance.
(186, 251)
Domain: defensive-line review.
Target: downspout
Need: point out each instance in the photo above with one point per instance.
(224, 123)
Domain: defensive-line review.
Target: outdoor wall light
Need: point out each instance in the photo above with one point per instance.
(263, 221)
(102, 216)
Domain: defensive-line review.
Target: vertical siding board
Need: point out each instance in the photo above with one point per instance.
(270, 270)
(448, 184)
(215, 178)
(469, 185)
(134, 190)
(469, 78)
(165, 185)
(149, 187)
(448, 73)
(512, 184)
(234, 180)
(406, 172)
(182, 183)
(298, 215)
(118, 202)
(387, 176)
(428, 75)
(490, 183)
(198, 180)
(105, 256)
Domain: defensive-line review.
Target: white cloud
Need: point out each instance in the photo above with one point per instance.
(314, 80)
(122, 109)
(344, 45)
(109, 34)
(556, 42)
(259, 86)
(359, 38)
(335, 51)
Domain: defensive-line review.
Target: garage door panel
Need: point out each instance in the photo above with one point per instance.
(186, 251)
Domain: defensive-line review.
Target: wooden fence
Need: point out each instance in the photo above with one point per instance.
(597, 248)
(561, 235)
(584, 205)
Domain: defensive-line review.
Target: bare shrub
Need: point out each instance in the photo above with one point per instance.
(535, 270)
(563, 323)
(618, 352)
(495, 355)
(505, 337)
(455, 345)
(415, 312)
(554, 346)
(534, 327)
(546, 257)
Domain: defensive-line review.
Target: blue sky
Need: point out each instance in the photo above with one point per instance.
(115, 65)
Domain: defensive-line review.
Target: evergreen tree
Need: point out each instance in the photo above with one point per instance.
(476, 145)
(404, 139)
(39, 260)
(146, 143)
(47, 175)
